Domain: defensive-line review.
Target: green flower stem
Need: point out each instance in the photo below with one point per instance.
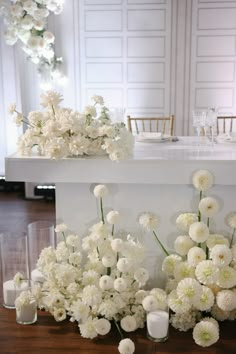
(119, 330)
(64, 237)
(109, 271)
(102, 213)
(112, 230)
(53, 110)
(208, 222)
(207, 252)
(199, 245)
(163, 248)
(199, 213)
(232, 238)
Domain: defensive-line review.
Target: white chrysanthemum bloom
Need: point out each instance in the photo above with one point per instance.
(117, 245)
(11, 108)
(150, 303)
(219, 314)
(186, 320)
(161, 297)
(75, 258)
(90, 111)
(176, 304)
(106, 282)
(183, 244)
(184, 221)
(123, 265)
(120, 284)
(226, 277)
(189, 290)
(195, 256)
(128, 323)
(208, 207)
(18, 279)
(91, 295)
(226, 300)
(61, 228)
(90, 277)
(149, 221)
(141, 275)
(169, 263)
(59, 314)
(24, 300)
(102, 326)
(98, 99)
(48, 36)
(205, 333)
(171, 284)
(100, 191)
(88, 328)
(50, 98)
(113, 217)
(199, 232)
(231, 220)
(126, 346)
(140, 295)
(206, 272)
(216, 239)
(202, 180)
(212, 320)
(184, 270)
(221, 255)
(206, 300)
(109, 259)
(73, 240)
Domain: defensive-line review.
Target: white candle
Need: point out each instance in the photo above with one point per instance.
(158, 324)
(11, 292)
(37, 276)
(27, 314)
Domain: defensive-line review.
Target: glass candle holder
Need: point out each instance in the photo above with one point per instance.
(26, 308)
(40, 235)
(158, 325)
(14, 259)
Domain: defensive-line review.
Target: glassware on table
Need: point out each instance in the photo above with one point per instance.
(26, 308)
(211, 121)
(14, 259)
(158, 325)
(199, 122)
(40, 235)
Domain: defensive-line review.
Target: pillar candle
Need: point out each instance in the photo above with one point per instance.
(158, 324)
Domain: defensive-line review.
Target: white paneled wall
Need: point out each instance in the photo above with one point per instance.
(151, 57)
(213, 55)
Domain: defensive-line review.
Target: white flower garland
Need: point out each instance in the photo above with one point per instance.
(26, 21)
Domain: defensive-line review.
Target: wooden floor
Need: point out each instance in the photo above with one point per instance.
(49, 337)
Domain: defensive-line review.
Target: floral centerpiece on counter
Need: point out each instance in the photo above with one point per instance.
(201, 285)
(97, 283)
(26, 21)
(62, 132)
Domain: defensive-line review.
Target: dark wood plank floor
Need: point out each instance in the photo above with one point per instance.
(49, 337)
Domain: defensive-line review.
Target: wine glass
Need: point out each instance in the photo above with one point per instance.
(199, 122)
(211, 121)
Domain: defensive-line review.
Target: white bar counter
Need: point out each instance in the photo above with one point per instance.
(157, 179)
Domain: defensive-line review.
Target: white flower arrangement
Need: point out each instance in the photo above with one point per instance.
(201, 285)
(95, 282)
(61, 132)
(26, 21)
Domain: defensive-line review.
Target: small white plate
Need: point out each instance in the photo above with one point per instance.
(152, 139)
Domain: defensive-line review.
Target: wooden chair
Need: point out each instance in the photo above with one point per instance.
(225, 124)
(165, 125)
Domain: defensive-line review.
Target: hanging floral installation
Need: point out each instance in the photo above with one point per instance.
(26, 22)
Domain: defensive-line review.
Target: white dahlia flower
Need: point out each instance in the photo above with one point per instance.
(102, 326)
(184, 270)
(208, 207)
(226, 277)
(150, 303)
(216, 239)
(100, 191)
(149, 221)
(206, 272)
(221, 255)
(205, 333)
(128, 323)
(176, 304)
(184, 221)
(195, 256)
(169, 263)
(206, 300)
(226, 300)
(231, 220)
(199, 232)
(126, 346)
(183, 244)
(113, 217)
(189, 290)
(202, 180)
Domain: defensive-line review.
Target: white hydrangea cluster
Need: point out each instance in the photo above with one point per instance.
(202, 273)
(96, 281)
(26, 21)
(61, 132)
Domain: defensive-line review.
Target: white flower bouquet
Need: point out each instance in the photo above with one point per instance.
(96, 283)
(61, 132)
(201, 285)
(25, 20)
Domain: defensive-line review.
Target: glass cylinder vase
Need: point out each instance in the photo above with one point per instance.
(40, 235)
(14, 260)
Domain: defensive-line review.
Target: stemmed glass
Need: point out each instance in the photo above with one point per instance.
(199, 122)
(211, 121)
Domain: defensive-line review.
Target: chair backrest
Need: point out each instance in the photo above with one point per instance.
(165, 125)
(225, 124)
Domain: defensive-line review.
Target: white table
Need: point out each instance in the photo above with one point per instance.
(157, 178)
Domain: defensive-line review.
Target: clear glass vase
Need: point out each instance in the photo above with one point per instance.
(40, 235)
(14, 259)
(158, 325)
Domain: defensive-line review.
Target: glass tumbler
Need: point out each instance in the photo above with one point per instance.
(40, 235)
(14, 259)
